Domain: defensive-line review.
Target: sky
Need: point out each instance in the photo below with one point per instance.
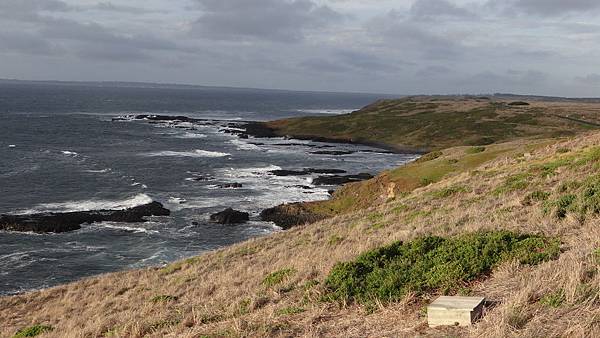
(543, 47)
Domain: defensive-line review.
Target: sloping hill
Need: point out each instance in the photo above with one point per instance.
(281, 285)
(434, 123)
(479, 128)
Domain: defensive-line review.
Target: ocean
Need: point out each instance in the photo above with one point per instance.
(61, 150)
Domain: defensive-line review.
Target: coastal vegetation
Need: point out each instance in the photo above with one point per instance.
(516, 222)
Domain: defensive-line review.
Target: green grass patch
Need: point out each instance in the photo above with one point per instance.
(429, 156)
(475, 150)
(450, 191)
(33, 331)
(549, 168)
(560, 206)
(514, 183)
(290, 310)
(582, 198)
(553, 299)
(335, 240)
(277, 277)
(536, 196)
(432, 264)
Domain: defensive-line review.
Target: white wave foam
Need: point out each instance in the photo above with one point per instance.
(176, 200)
(327, 111)
(69, 153)
(137, 230)
(249, 172)
(189, 135)
(12, 146)
(100, 171)
(194, 153)
(241, 145)
(88, 205)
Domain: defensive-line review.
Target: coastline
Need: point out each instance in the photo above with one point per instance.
(263, 130)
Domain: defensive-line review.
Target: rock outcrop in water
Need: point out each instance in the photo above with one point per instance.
(70, 221)
(230, 216)
(305, 171)
(341, 179)
(289, 215)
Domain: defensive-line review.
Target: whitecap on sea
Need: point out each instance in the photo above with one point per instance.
(87, 205)
(194, 153)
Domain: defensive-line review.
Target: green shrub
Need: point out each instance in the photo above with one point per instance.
(33, 331)
(425, 181)
(335, 240)
(536, 196)
(449, 191)
(429, 156)
(553, 299)
(590, 197)
(514, 183)
(561, 206)
(290, 310)
(549, 168)
(475, 150)
(277, 277)
(164, 298)
(431, 264)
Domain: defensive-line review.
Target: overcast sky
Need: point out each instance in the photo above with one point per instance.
(549, 47)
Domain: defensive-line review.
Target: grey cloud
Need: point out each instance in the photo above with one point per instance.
(428, 9)
(433, 71)
(26, 43)
(22, 6)
(324, 65)
(111, 7)
(510, 79)
(274, 20)
(546, 7)
(345, 61)
(414, 38)
(94, 33)
(590, 79)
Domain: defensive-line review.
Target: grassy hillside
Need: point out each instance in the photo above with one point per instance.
(461, 133)
(430, 123)
(516, 223)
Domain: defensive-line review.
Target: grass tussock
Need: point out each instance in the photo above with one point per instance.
(277, 277)
(33, 331)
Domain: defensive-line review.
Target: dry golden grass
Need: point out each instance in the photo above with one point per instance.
(222, 293)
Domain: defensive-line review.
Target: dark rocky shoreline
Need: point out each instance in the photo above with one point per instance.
(70, 221)
(284, 215)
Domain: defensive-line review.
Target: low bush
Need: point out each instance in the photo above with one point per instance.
(514, 183)
(475, 150)
(429, 156)
(33, 331)
(450, 191)
(553, 299)
(536, 196)
(277, 277)
(432, 264)
(583, 199)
